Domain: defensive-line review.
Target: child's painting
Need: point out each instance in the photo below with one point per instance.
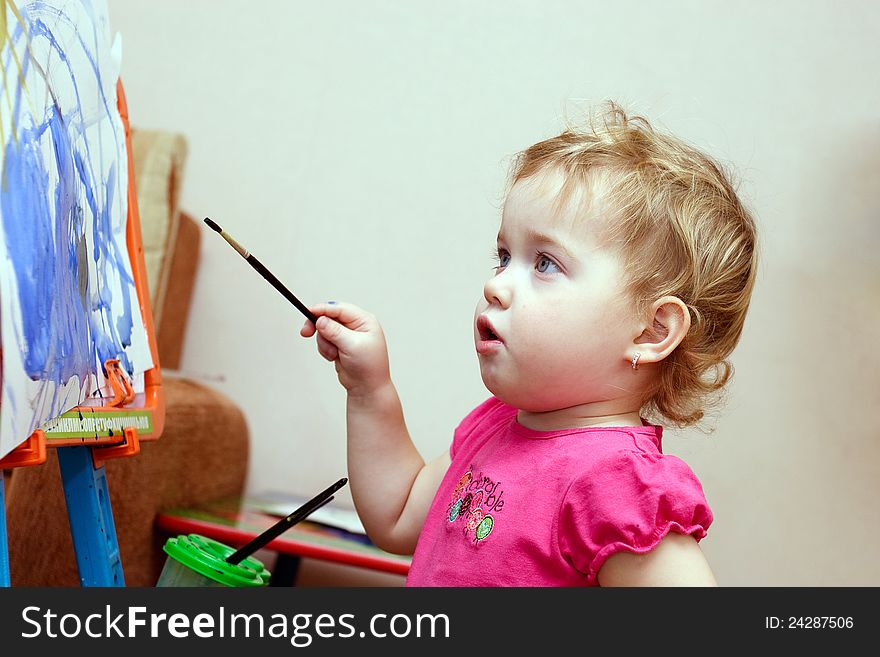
(67, 294)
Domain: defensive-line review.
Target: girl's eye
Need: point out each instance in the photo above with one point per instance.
(545, 264)
(503, 258)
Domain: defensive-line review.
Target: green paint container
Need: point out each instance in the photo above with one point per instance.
(195, 560)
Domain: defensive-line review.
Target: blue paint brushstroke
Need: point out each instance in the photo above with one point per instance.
(56, 339)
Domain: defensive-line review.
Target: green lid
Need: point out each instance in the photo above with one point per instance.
(208, 557)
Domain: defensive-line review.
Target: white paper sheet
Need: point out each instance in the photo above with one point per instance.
(67, 296)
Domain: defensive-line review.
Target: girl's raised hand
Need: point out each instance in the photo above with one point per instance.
(351, 338)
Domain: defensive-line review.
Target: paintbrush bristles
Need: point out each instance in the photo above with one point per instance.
(243, 252)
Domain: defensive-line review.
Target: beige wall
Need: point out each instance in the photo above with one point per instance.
(359, 150)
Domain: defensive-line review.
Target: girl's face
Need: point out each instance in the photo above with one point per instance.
(555, 322)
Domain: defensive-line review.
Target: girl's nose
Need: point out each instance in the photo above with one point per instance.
(497, 290)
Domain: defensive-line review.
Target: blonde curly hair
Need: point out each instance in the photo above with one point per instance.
(681, 230)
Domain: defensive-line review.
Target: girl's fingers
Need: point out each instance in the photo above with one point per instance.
(337, 327)
(350, 316)
(308, 329)
(327, 349)
(330, 331)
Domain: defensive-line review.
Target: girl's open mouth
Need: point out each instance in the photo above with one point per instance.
(489, 340)
(486, 330)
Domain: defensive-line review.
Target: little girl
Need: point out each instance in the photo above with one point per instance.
(625, 267)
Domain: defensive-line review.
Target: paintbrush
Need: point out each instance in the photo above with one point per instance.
(265, 273)
(284, 524)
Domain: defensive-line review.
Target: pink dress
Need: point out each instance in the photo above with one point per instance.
(519, 507)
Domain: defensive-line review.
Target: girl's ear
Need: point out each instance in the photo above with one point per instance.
(668, 322)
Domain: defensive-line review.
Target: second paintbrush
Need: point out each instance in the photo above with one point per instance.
(284, 524)
(265, 273)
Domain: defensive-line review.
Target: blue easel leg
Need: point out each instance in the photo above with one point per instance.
(4, 547)
(91, 519)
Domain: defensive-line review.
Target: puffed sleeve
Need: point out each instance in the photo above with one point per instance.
(629, 502)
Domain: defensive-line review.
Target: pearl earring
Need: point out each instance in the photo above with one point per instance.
(635, 361)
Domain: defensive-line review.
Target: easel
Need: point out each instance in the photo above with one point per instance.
(116, 426)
